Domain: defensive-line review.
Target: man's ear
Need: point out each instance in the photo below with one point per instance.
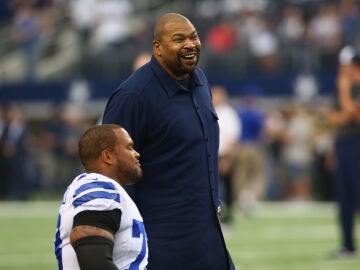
(156, 46)
(106, 157)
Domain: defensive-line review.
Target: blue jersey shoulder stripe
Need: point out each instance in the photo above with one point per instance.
(95, 184)
(81, 176)
(96, 195)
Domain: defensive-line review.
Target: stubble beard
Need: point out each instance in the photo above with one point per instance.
(132, 173)
(182, 69)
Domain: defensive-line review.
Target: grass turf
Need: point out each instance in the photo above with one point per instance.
(291, 236)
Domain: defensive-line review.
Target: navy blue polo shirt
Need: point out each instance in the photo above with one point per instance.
(176, 132)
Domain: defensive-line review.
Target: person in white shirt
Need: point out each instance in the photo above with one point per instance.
(99, 226)
(230, 128)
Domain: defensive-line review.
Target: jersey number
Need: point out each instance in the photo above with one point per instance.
(137, 230)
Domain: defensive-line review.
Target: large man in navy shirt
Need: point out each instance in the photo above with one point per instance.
(166, 107)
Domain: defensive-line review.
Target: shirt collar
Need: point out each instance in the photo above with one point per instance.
(171, 85)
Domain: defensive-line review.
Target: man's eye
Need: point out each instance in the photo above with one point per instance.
(178, 38)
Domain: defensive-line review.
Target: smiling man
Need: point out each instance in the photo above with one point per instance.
(176, 45)
(166, 107)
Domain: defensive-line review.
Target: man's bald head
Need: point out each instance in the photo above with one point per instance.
(166, 19)
(176, 45)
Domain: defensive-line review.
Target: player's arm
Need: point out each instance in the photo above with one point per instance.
(348, 108)
(92, 237)
(347, 102)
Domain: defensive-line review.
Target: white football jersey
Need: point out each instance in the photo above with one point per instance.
(97, 192)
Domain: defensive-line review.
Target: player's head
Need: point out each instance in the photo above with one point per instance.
(356, 60)
(140, 60)
(108, 149)
(345, 55)
(349, 61)
(176, 45)
(219, 95)
(349, 56)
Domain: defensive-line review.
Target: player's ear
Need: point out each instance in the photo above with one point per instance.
(106, 157)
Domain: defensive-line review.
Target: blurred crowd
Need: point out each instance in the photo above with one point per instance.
(239, 37)
(281, 152)
(276, 152)
(41, 156)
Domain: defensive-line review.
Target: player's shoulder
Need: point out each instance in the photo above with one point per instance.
(92, 191)
(89, 181)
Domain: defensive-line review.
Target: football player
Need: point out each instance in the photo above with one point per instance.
(99, 226)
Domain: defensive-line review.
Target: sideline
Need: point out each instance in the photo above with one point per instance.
(29, 209)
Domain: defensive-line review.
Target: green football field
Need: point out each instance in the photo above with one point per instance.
(291, 236)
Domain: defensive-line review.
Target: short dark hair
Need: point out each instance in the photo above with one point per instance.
(356, 59)
(95, 140)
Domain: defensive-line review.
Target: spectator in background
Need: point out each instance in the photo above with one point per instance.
(297, 152)
(74, 125)
(323, 156)
(111, 36)
(15, 151)
(325, 34)
(112, 28)
(262, 40)
(292, 30)
(230, 128)
(27, 31)
(82, 14)
(274, 131)
(140, 60)
(51, 158)
(82, 17)
(346, 117)
(249, 175)
(349, 13)
(220, 42)
(51, 12)
(3, 161)
(222, 37)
